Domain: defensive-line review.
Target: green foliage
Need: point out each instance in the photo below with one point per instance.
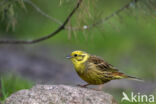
(10, 84)
(8, 12)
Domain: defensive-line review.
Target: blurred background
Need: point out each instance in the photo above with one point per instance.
(126, 39)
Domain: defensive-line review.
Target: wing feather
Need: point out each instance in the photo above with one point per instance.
(100, 64)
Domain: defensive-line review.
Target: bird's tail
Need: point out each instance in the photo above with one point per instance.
(120, 75)
(134, 78)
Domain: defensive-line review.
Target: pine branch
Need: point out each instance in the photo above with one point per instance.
(126, 6)
(98, 22)
(101, 21)
(64, 24)
(60, 28)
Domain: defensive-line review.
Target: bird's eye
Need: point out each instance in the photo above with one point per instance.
(75, 55)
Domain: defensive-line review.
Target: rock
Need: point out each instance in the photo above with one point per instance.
(60, 94)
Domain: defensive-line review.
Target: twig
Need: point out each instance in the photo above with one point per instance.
(43, 13)
(62, 27)
(85, 26)
(48, 16)
(126, 6)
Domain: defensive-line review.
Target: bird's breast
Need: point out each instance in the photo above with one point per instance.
(80, 68)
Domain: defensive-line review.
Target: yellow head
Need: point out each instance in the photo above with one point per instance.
(78, 57)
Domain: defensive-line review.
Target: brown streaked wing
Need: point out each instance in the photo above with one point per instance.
(101, 64)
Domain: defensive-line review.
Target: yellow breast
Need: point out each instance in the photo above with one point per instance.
(80, 68)
(89, 75)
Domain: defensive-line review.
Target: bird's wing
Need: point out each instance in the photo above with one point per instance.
(100, 64)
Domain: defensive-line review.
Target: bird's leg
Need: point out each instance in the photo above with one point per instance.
(83, 85)
(100, 87)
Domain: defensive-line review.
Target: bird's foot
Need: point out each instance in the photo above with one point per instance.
(97, 89)
(84, 86)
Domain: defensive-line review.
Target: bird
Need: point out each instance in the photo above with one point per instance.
(94, 70)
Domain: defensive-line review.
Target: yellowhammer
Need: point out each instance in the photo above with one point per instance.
(94, 70)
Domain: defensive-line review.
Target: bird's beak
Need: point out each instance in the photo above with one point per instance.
(68, 57)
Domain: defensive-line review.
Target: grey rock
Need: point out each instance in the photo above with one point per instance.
(60, 94)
